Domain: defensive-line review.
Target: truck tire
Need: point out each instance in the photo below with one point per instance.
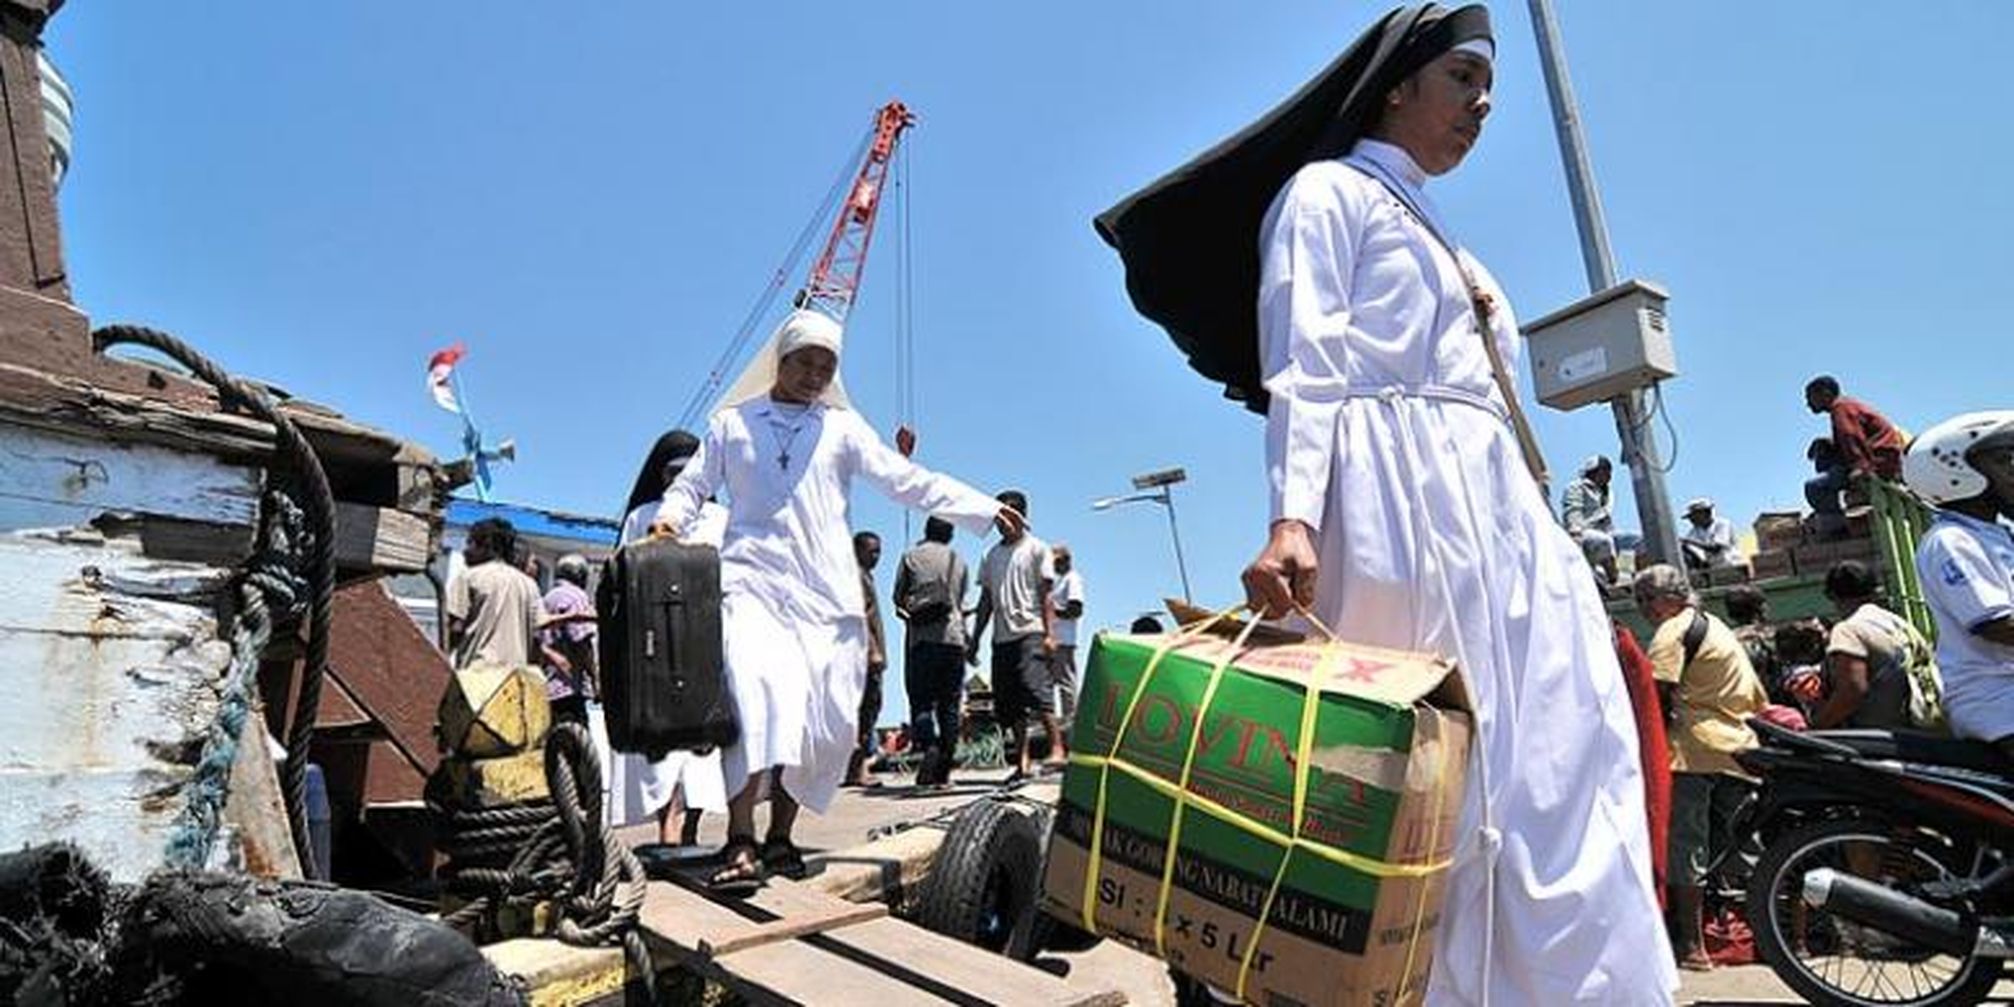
(982, 887)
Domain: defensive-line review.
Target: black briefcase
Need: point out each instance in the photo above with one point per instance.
(663, 679)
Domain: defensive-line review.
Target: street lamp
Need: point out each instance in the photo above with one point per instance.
(1157, 487)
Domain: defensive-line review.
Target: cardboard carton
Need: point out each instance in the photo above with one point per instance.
(1778, 531)
(1349, 916)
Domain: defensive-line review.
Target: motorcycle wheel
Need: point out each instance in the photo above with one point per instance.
(1830, 960)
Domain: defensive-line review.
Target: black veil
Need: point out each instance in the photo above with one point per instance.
(1190, 240)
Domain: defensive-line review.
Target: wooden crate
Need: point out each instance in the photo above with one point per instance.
(1723, 576)
(1779, 531)
(1773, 563)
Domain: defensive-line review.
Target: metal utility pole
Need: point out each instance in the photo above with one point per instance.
(1632, 416)
(1158, 487)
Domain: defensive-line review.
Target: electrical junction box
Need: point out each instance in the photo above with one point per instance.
(1602, 346)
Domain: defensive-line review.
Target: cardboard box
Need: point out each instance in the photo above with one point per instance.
(1773, 563)
(1724, 576)
(1818, 557)
(1354, 909)
(1778, 530)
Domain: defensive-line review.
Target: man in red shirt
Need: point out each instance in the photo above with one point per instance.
(1867, 445)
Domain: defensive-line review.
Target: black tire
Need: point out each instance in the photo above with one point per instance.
(983, 886)
(1775, 913)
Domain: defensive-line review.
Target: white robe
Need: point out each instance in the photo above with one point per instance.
(637, 787)
(792, 611)
(1387, 434)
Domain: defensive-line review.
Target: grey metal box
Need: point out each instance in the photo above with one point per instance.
(1601, 346)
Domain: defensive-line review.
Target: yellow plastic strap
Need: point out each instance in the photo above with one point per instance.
(1434, 799)
(1097, 851)
(1304, 751)
(1258, 829)
(1182, 789)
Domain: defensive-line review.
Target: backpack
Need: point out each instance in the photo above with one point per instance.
(1926, 683)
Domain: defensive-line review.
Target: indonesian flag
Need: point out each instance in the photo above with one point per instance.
(440, 369)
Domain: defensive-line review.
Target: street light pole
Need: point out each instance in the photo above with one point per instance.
(1158, 487)
(1181, 566)
(1632, 417)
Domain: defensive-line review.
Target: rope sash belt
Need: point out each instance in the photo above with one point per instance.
(1438, 393)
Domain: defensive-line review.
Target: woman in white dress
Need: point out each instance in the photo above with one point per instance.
(786, 449)
(1405, 511)
(683, 785)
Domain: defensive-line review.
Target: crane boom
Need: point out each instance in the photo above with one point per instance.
(835, 277)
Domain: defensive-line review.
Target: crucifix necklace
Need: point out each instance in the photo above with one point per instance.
(778, 430)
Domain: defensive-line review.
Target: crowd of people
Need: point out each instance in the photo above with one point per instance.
(806, 646)
(1861, 445)
(1303, 264)
(1865, 667)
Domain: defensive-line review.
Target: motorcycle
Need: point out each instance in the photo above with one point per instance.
(1887, 872)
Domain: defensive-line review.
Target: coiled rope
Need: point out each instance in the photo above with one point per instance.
(316, 543)
(561, 850)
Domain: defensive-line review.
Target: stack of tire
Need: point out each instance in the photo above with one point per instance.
(984, 887)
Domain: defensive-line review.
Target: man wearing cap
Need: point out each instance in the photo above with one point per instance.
(1406, 508)
(786, 447)
(1708, 541)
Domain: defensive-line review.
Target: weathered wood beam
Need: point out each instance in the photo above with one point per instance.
(111, 665)
(380, 538)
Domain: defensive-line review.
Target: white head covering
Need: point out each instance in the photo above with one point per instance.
(1699, 503)
(802, 328)
(1483, 47)
(1593, 462)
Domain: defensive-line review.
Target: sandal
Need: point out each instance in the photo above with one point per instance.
(783, 858)
(740, 877)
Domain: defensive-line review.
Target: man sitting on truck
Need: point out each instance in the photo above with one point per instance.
(1866, 445)
(1709, 540)
(1585, 511)
(1965, 466)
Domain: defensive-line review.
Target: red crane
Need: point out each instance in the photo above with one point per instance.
(835, 278)
(834, 281)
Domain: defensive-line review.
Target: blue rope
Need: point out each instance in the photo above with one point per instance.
(272, 582)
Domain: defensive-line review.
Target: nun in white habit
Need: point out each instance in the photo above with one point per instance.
(784, 451)
(1405, 511)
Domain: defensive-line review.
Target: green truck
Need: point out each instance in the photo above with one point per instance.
(1888, 529)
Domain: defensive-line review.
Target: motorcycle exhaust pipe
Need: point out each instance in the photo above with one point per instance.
(1905, 916)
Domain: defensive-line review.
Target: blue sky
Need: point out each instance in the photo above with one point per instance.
(590, 196)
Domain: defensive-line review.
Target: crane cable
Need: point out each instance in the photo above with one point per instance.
(905, 313)
(696, 407)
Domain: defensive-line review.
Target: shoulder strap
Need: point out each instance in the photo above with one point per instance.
(1479, 301)
(1695, 637)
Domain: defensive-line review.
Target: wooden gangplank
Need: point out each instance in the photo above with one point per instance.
(793, 944)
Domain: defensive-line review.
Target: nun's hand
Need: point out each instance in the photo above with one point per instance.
(1282, 579)
(905, 440)
(1010, 521)
(663, 529)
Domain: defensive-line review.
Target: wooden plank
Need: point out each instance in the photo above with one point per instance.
(256, 810)
(73, 405)
(110, 662)
(559, 975)
(998, 979)
(57, 479)
(794, 972)
(380, 538)
(687, 923)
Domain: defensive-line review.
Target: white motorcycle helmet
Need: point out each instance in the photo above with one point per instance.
(1935, 466)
